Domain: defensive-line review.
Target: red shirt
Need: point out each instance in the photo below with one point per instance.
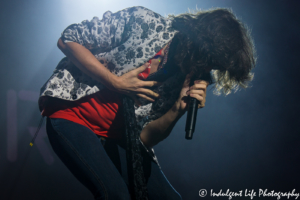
(99, 112)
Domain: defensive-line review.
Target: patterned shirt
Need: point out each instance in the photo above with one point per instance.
(121, 41)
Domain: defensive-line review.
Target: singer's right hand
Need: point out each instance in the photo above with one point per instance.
(198, 91)
(132, 86)
(128, 83)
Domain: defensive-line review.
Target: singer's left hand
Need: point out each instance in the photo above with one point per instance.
(198, 91)
(159, 129)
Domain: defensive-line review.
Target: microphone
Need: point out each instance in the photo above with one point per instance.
(191, 116)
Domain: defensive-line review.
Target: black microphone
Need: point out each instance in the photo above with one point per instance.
(191, 118)
(191, 115)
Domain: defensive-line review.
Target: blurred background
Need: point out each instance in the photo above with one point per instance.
(247, 140)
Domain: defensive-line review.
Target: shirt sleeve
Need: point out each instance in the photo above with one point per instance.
(103, 34)
(111, 31)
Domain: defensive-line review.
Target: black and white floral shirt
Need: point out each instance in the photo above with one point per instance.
(121, 41)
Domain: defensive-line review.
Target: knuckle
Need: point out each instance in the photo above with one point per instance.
(202, 86)
(139, 84)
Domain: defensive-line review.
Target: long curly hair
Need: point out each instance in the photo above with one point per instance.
(215, 44)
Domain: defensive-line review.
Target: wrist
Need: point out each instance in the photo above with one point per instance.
(176, 109)
(114, 82)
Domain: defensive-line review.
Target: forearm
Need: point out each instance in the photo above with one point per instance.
(160, 128)
(87, 63)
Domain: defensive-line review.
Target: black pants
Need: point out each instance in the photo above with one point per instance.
(100, 165)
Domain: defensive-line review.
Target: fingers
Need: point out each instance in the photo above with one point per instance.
(147, 92)
(142, 68)
(149, 83)
(200, 98)
(199, 88)
(145, 97)
(199, 85)
(137, 101)
(201, 82)
(198, 91)
(201, 105)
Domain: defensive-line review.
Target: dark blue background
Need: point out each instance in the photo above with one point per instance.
(247, 140)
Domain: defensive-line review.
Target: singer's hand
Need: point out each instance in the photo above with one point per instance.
(131, 85)
(198, 91)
